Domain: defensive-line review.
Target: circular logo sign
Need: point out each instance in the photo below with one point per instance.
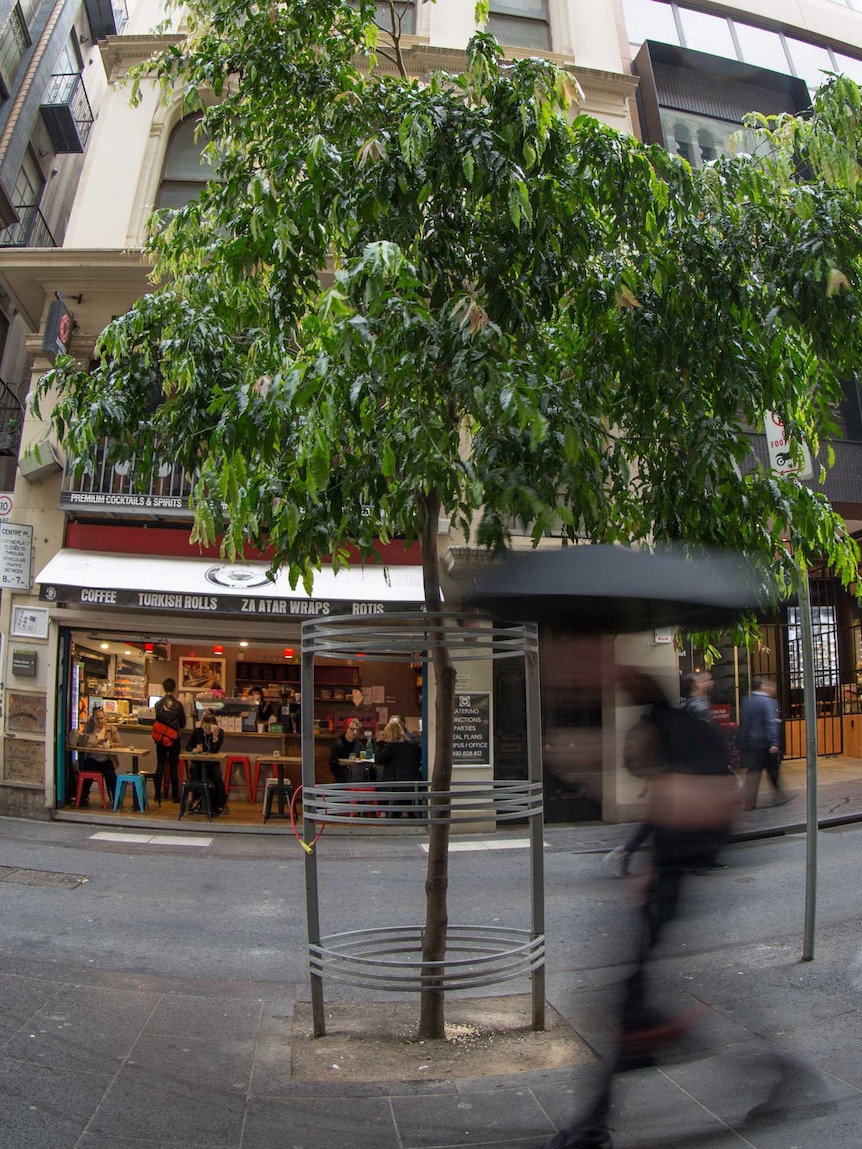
(5, 505)
(64, 331)
(236, 577)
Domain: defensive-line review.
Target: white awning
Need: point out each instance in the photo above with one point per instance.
(196, 587)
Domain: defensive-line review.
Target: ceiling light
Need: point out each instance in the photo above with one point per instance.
(243, 643)
(105, 645)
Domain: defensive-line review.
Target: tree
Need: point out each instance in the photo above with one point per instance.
(404, 299)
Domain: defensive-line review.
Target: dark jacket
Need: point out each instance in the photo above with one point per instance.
(200, 740)
(170, 711)
(760, 723)
(401, 761)
(341, 748)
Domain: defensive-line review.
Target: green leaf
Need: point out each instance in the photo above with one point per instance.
(388, 464)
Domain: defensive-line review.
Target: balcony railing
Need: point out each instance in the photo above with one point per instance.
(11, 420)
(30, 230)
(67, 113)
(106, 17)
(112, 488)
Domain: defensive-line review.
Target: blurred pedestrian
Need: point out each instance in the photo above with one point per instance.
(692, 802)
(695, 700)
(760, 742)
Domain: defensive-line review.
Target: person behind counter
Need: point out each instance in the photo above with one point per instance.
(401, 759)
(172, 712)
(346, 745)
(97, 737)
(209, 737)
(290, 713)
(265, 712)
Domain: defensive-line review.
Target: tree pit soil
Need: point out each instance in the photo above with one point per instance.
(376, 1041)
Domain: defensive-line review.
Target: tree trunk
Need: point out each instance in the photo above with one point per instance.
(432, 998)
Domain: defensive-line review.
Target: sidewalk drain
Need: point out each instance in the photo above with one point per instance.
(41, 878)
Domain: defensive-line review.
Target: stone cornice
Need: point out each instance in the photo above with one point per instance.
(119, 53)
(30, 276)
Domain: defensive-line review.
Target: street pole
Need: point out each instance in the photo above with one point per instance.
(787, 462)
(811, 827)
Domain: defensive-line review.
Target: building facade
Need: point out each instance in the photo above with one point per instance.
(675, 74)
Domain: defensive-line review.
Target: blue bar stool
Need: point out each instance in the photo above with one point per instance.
(136, 781)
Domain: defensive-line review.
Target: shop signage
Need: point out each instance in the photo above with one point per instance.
(781, 456)
(472, 736)
(58, 330)
(24, 663)
(16, 551)
(169, 602)
(125, 501)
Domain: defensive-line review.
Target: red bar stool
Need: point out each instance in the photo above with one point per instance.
(243, 760)
(182, 776)
(371, 809)
(94, 776)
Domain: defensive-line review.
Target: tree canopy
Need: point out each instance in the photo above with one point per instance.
(452, 288)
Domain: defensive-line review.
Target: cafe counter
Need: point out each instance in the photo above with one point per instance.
(254, 744)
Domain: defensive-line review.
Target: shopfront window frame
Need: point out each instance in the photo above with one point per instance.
(787, 39)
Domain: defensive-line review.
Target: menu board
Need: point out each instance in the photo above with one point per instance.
(472, 741)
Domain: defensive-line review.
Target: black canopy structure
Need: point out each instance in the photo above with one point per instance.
(614, 590)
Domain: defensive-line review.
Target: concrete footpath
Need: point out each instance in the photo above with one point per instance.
(93, 1058)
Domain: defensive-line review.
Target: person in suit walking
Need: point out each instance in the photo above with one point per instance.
(760, 742)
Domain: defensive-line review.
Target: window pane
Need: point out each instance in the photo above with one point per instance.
(404, 11)
(183, 161)
(649, 20)
(534, 8)
(850, 66)
(29, 8)
(697, 139)
(520, 33)
(176, 194)
(762, 48)
(13, 45)
(809, 60)
(707, 33)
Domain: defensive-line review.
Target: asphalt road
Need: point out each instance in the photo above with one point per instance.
(237, 908)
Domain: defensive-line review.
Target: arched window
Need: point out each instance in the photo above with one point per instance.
(682, 142)
(706, 143)
(185, 171)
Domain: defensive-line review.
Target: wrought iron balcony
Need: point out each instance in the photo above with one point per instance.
(67, 113)
(106, 17)
(11, 420)
(111, 488)
(30, 230)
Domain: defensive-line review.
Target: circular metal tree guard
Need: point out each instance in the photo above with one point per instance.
(389, 958)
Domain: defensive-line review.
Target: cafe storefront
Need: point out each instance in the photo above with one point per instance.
(120, 625)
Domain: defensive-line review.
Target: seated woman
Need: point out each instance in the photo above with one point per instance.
(209, 737)
(346, 745)
(401, 759)
(97, 737)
